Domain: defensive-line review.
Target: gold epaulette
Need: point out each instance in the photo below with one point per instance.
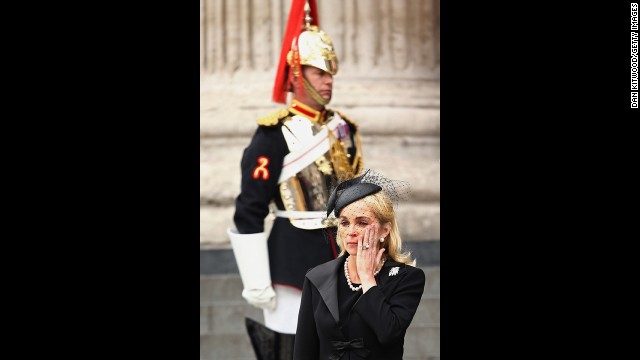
(348, 119)
(273, 118)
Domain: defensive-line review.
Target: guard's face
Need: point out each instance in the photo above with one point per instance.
(352, 222)
(321, 80)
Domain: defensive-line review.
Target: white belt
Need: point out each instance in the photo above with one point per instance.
(301, 214)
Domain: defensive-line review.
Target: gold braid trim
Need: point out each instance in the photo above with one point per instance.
(273, 118)
(339, 159)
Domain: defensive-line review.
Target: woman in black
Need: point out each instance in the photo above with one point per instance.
(360, 305)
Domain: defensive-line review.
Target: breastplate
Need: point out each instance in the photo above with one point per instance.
(309, 189)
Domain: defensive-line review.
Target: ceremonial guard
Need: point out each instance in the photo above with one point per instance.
(295, 158)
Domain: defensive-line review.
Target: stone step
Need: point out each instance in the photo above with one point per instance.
(228, 317)
(229, 106)
(227, 288)
(253, 91)
(422, 342)
(223, 333)
(226, 346)
(219, 259)
(372, 120)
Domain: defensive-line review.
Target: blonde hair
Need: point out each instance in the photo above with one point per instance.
(382, 207)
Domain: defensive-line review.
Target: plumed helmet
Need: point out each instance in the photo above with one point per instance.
(303, 44)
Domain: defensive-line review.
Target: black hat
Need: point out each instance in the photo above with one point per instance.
(349, 191)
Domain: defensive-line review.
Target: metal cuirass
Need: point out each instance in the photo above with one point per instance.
(321, 154)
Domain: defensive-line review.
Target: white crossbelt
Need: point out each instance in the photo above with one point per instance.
(294, 162)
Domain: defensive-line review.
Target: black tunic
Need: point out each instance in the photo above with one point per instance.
(292, 251)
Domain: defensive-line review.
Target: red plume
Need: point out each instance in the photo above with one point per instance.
(294, 28)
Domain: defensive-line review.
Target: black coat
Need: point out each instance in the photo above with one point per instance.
(380, 317)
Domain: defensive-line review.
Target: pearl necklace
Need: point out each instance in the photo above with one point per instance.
(346, 274)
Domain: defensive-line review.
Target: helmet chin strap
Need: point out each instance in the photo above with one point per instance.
(314, 94)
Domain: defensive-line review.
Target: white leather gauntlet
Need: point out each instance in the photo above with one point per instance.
(252, 258)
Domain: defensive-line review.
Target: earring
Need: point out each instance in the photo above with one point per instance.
(381, 239)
